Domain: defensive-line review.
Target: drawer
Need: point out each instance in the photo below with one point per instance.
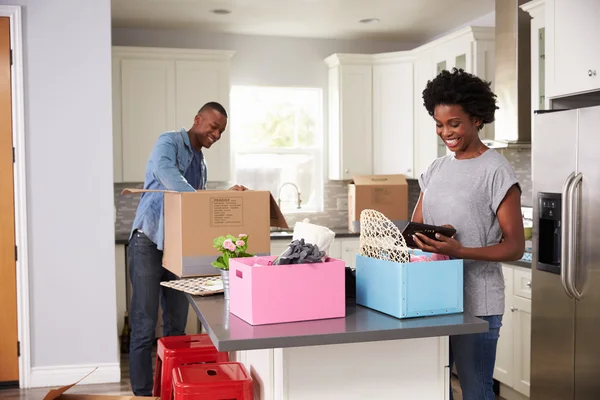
(350, 248)
(522, 283)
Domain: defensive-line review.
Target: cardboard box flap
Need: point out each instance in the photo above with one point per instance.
(59, 394)
(138, 191)
(276, 216)
(379, 180)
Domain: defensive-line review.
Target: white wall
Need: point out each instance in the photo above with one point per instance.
(67, 77)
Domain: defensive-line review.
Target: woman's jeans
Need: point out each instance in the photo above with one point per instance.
(475, 356)
(146, 273)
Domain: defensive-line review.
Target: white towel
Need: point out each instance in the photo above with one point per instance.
(314, 234)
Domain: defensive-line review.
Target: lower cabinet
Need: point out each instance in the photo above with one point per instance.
(513, 353)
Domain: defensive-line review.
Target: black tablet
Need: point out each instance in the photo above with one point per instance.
(427, 230)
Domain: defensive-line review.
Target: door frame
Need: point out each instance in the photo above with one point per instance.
(20, 190)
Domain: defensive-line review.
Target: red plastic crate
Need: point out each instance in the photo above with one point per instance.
(219, 381)
(173, 351)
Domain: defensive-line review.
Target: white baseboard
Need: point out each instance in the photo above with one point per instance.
(67, 374)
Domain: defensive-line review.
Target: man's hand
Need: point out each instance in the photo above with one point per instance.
(443, 245)
(239, 188)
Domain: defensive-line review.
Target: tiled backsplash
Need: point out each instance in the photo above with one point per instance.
(331, 216)
(520, 159)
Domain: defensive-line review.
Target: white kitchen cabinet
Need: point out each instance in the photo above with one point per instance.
(393, 114)
(335, 250)
(522, 344)
(350, 248)
(573, 59)
(426, 144)
(513, 354)
(377, 121)
(278, 246)
(350, 115)
(470, 48)
(504, 368)
(199, 82)
(392, 369)
(147, 110)
(536, 10)
(157, 90)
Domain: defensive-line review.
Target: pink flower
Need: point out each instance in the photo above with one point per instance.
(242, 235)
(240, 243)
(229, 245)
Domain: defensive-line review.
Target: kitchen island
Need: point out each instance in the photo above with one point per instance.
(366, 355)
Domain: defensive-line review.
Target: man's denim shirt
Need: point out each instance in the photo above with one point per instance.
(170, 158)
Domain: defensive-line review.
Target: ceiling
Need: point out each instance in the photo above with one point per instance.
(406, 20)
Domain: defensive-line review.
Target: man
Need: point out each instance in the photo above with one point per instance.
(176, 163)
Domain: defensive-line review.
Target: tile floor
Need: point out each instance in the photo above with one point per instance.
(120, 389)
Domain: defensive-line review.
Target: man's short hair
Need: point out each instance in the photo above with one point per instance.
(213, 105)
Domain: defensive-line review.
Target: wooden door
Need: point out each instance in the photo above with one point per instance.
(9, 361)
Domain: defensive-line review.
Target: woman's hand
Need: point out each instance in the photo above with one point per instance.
(448, 246)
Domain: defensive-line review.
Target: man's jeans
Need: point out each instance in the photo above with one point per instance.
(146, 273)
(475, 357)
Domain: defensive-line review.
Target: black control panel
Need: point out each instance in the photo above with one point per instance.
(549, 232)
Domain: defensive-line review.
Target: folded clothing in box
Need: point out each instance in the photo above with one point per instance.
(263, 293)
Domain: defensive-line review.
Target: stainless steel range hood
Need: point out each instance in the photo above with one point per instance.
(512, 80)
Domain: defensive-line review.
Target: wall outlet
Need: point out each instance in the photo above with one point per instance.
(342, 204)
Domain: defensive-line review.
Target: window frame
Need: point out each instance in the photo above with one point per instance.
(316, 151)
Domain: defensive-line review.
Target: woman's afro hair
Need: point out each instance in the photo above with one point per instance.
(462, 88)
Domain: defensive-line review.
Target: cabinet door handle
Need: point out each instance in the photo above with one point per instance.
(591, 72)
(346, 170)
(529, 285)
(512, 309)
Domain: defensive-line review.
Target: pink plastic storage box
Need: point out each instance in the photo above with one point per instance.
(260, 293)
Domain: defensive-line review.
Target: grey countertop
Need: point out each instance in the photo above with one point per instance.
(122, 238)
(524, 264)
(361, 324)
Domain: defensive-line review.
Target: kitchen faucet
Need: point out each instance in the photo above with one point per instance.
(297, 191)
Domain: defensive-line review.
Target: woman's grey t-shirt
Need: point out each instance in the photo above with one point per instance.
(466, 194)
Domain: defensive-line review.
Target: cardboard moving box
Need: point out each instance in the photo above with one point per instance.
(59, 394)
(194, 219)
(387, 194)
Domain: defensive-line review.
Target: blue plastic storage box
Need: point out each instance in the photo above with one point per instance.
(411, 289)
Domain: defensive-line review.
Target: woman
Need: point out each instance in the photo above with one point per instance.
(474, 190)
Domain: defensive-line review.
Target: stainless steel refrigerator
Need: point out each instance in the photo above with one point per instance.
(565, 309)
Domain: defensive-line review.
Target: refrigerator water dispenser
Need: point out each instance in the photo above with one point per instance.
(549, 236)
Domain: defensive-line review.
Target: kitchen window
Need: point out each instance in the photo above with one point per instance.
(277, 142)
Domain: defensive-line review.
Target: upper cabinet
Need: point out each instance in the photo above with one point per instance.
(158, 90)
(377, 122)
(393, 114)
(573, 59)
(350, 116)
(536, 9)
(471, 49)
